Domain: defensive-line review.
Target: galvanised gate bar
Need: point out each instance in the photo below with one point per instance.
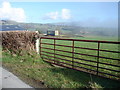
(100, 65)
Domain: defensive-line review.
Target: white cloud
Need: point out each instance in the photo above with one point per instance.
(10, 13)
(66, 14)
(51, 15)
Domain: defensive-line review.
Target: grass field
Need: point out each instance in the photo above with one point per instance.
(103, 46)
(37, 73)
(104, 38)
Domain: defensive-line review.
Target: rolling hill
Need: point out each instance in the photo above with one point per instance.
(65, 28)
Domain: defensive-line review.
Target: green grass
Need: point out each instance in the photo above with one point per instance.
(37, 73)
(103, 46)
(104, 38)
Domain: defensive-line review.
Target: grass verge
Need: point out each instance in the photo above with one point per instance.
(39, 74)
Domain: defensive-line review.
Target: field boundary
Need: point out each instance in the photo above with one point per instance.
(52, 58)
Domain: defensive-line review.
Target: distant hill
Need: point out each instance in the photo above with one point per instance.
(65, 28)
(8, 22)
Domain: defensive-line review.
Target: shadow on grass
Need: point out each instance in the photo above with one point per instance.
(85, 78)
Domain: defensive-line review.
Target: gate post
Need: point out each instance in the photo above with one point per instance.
(37, 44)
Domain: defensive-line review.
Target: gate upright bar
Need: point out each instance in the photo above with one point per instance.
(73, 54)
(98, 57)
(54, 50)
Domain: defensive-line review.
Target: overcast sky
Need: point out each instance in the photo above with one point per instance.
(85, 13)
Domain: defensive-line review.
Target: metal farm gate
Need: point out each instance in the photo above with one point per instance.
(104, 62)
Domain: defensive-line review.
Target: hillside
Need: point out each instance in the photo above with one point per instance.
(66, 28)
